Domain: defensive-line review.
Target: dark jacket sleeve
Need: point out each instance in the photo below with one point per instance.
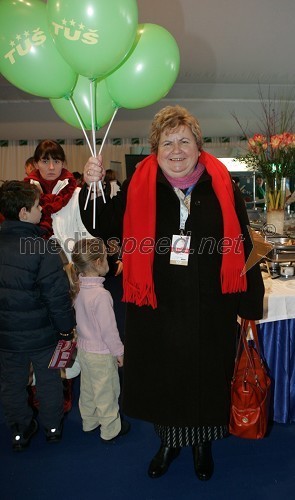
(108, 222)
(251, 301)
(109, 215)
(55, 291)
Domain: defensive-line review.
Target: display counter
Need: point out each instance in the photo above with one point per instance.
(277, 340)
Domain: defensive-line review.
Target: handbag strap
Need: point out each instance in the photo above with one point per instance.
(249, 323)
(243, 344)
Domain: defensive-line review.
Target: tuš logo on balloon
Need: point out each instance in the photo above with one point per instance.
(28, 56)
(93, 37)
(22, 47)
(89, 58)
(70, 32)
(22, 44)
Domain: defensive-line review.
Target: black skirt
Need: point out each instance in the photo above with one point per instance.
(175, 437)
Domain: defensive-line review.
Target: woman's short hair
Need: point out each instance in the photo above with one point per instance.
(49, 148)
(78, 176)
(30, 161)
(170, 118)
(110, 175)
(14, 195)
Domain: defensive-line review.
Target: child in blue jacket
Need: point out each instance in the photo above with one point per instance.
(35, 312)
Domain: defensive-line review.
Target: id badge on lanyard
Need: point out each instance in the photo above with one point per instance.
(180, 249)
(180, 245)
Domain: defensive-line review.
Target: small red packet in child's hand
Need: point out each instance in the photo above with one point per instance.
(62, 355)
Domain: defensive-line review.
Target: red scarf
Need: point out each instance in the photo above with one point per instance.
(140, 224)
(52, 203)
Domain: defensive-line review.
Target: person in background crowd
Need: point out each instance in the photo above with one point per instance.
(260, 191)
(182, 307)
(100, 350)
(29, 165)
(241, 188)
(111, 178)
(112, 188)
(290, 198)
(59, 195)
(35, 312)
(61, 218)
(79, 178)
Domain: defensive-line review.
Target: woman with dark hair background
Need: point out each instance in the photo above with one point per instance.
(60, 220)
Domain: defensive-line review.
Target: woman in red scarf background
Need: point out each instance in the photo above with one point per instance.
(59, 195)
(60, 213)
(182, 306)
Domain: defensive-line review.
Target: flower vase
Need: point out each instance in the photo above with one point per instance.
(275, 194)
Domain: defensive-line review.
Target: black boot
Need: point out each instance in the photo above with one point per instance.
(203, 461)
(21, 440)
(161, 461)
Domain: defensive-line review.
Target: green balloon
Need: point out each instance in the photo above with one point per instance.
(104, 106)
(93, 36)
(148, 72)
(28, 57)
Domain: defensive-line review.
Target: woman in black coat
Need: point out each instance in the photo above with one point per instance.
(185, 245)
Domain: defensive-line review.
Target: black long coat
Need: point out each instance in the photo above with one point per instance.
(179, 357)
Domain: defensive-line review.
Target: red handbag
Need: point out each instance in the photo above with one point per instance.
(250, 387)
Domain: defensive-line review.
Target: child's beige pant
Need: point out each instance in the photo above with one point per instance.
(99, 393)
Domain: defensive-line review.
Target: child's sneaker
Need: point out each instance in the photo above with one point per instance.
(54, 434)
(21, 440)
(125, 428)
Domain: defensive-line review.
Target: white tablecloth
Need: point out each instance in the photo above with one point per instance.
(279, 299)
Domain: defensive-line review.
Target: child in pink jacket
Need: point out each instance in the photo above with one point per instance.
(100, 350)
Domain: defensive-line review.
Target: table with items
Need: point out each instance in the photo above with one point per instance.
(277, 340)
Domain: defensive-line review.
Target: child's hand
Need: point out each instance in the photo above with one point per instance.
(119, 268)
(120, 361)
(66, 346)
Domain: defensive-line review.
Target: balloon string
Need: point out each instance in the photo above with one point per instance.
(102, 144)
(107, 131)
(92, 187)
(100, 185)
(88, 196)
(81, 124)
(92, 108)
(94, 201)
(92, 100)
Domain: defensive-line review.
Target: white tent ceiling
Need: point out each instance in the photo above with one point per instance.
(228, 49)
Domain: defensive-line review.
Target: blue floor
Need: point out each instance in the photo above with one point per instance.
(82, 467)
